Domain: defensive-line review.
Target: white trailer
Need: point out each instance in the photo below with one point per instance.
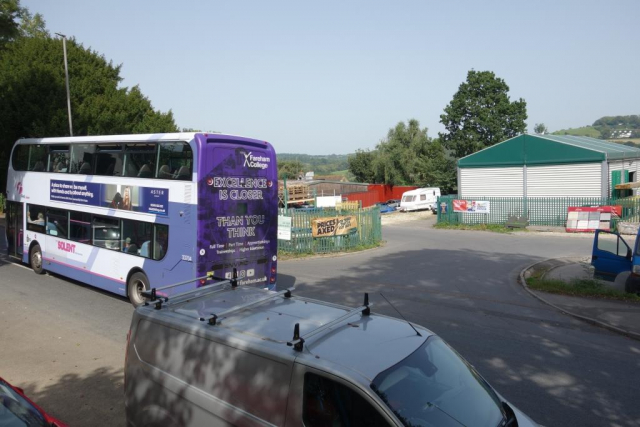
(421, 198)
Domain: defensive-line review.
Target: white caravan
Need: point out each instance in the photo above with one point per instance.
(421, 198)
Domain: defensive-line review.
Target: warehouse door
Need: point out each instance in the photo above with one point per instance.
(572, 180)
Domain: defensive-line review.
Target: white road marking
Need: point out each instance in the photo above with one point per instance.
(21, 266)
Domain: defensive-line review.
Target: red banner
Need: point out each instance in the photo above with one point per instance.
(459, 205)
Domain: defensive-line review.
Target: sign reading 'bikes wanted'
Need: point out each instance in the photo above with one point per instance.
(335, 226)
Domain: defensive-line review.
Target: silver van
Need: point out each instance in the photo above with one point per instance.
(227, 355)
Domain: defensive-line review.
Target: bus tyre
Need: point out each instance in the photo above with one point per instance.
(35, 259)
(138, 282)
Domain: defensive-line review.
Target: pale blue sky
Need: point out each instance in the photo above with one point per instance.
(333, 76)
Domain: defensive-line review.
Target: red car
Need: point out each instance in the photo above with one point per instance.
(16, 409)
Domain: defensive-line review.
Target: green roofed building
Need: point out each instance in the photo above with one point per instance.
(548, 166)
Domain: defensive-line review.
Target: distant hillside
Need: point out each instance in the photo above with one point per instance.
(621, 129)
(589, 131)
(331, 164)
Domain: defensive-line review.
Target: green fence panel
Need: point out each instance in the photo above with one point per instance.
(368, 232)
(542, 211)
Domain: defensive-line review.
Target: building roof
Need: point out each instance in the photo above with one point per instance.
(548, 150)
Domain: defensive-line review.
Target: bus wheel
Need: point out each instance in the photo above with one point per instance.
(35, 259)
(138, 283)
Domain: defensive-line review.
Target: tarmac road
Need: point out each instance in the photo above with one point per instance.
(64, 342)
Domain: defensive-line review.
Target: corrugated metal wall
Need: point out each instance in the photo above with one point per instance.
(491, 182)
(571, 180)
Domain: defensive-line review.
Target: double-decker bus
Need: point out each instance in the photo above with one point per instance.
(127, 212)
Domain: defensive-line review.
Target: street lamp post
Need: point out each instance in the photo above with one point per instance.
(66, 74)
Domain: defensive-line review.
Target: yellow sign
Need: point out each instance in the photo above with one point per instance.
(336, 226)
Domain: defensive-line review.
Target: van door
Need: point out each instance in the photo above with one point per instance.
(610, 256)
(319, 399)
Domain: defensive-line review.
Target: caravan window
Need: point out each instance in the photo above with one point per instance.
(408, 198)
(423, 197)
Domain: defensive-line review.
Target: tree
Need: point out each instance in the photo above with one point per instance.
(291, 168)
(16, 21)
(481, 115)
(361, 165)
(9, 25)
(406, 157)
(33, 99)
(540, 129)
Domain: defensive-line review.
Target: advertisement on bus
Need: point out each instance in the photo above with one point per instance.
(237, 212)
(150, 200)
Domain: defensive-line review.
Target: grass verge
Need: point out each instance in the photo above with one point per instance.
(579, 287)
(283, 256)
(496, 228)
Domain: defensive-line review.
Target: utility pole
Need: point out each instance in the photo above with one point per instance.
(66, 74)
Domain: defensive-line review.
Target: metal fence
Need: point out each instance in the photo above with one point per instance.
(547, 211)
(368, 232)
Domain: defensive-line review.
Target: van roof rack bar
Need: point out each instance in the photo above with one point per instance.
(156, 299)
(152, 293)
(213, 320)
(298, 341)
(211, 286)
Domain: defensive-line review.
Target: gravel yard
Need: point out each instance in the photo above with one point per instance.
(397, 217)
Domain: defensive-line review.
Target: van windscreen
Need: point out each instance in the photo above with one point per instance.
(436, 387)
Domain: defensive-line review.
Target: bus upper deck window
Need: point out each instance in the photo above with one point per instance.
(175, 161)
(109, 159)
(59, 159)
(140, 160)
(20, 159)
(82, 158)
(38, 158)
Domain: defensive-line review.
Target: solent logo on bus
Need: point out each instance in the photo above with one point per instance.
(256, 162)
(112, 196)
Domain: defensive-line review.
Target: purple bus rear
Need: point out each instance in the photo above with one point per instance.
(237, 209)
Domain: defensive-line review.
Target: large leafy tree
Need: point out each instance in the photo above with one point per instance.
(16, 21)
(9, 25)
(406, 157)
(33, 99)
(481, 114)
(361, 165)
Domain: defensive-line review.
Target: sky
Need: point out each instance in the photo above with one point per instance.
(333, 76)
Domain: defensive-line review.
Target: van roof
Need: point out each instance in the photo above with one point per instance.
(366, 344)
